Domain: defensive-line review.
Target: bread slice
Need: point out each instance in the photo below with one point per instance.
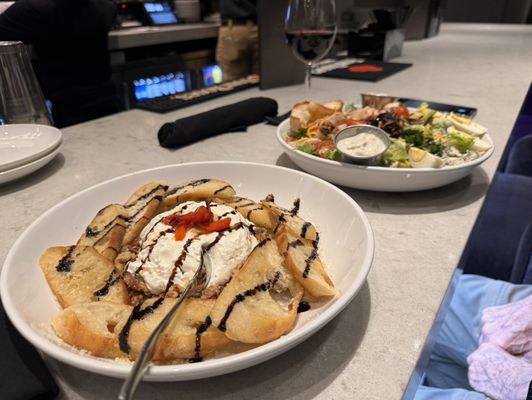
(335, 105)
(299, 116)
(106, 231)
(117, 225)
(302, 259)
(141, 207)
(255, 212)
(259, 304)
(189, 335)
(93, 327)
(199, 189)
(79, 274)
(295, 224)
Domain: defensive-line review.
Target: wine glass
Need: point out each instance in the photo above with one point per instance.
(310, 29)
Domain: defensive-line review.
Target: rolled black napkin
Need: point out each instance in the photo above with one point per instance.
(24, 373)
(278, 119)
(231, 118)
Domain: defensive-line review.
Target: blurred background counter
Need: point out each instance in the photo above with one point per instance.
(154, 35)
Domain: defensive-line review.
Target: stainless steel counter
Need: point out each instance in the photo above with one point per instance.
(151, 35)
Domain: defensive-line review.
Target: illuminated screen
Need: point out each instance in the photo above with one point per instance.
(162, 85)
(160, 13)
(212, 75)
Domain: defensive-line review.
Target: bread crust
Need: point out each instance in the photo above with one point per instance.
(77, 274)
(247, 309)
(93, 327)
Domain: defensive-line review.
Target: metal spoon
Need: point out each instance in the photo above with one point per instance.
(199, 280)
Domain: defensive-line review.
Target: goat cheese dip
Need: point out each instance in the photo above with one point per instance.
(160, 251)
(363, 144)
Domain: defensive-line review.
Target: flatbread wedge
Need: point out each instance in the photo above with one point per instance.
(260, 302)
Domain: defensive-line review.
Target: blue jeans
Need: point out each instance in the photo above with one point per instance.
(446, 374)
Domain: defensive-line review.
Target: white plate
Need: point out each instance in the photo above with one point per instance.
(346, 246)
(382, 179)
(23, 143)
(26, 169)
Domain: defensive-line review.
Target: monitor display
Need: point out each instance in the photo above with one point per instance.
(212, 75)
(160, 13)
(162, 85)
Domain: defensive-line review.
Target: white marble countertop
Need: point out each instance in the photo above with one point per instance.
(369, 351)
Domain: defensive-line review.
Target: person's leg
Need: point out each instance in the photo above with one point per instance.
(432, 393)
(460, 331)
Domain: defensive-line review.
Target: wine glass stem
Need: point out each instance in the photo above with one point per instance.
(308, 73)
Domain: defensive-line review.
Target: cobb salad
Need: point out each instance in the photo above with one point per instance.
(420, 138)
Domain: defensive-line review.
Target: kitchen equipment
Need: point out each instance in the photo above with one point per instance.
(21, 100)
(188, 10)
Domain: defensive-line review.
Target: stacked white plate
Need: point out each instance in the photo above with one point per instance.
(24, 148)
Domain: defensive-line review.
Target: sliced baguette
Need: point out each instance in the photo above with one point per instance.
(259, 304)
(93, 327)
(255, 212)
(79, 274)
(117, 225)
(302, 260)
(179, 339)
(141, 207)
(295, 224)
(199, 189)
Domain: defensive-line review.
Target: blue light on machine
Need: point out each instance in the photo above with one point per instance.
(157, 86)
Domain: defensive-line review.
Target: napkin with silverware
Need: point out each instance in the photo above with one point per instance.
(231, 118)
(23, 371)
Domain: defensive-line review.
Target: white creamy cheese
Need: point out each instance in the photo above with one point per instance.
(160, 251)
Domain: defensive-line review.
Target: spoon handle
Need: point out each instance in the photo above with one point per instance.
(141, 363)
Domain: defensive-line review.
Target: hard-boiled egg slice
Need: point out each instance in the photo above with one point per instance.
(481, 145)
(423, 159)
(467, 125)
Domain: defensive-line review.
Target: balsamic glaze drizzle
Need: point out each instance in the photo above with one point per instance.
(295, 209)
(303, 306)
(199, 331)
(295, 243)
(251, 210)
(263, 287)
(136, 315)
(150, 249)
(232, 212)
(178, 264)
(222, 189)
(147, 195)
(245, 205)
(313, 255)
(304, 229)
(192, 184)
(92, 232)
(66, 262)
(104, 290)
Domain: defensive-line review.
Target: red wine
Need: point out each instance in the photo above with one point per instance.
(310, 45)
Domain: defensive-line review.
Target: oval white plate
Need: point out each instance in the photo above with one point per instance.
(26, 169)
(380, 179)
(346, 246)
(23, 143)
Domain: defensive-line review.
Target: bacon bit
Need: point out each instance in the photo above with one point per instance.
(350, 122)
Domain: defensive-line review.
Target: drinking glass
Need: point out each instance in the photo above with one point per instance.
(310, 29)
